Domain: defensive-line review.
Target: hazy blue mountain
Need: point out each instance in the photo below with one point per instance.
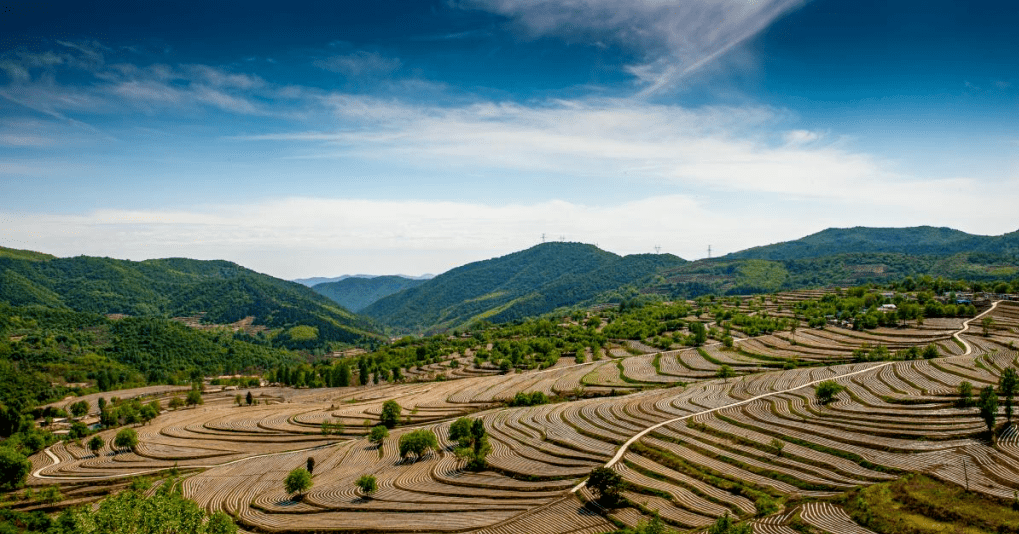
(356, 293)
(314, 281)
(525, 283)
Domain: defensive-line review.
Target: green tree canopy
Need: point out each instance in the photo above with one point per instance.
(417, 442)
(390, 413)
(14, 468)
(126, 439)
(298, 481)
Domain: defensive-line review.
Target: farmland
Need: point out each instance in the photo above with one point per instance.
(691, 443)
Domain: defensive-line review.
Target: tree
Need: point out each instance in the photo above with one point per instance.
(176, 402)
(827, 390)
(930, 352)
(390, 415)
(194, 397)
(298, 481)
(14, 468)
(777, 445)
(126, 439)
(725, 372)
(700, 334)
(653, 526)
(367, 484)
(987, 323)
(965, 395)
(988, 408)
(238, 399)
(310, 463)
(472, 439)
(378, 434)
(249, 399)
(96, 444)
(606, 485)
(80, 408)
(727, 525)
(1007, 386)
(417, 442)
(148, 413)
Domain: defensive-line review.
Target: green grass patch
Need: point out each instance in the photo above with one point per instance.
(918, 504)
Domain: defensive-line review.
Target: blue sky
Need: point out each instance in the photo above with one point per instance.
(321, 138)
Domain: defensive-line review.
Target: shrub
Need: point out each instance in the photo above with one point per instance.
(298, 481)
(827, 390)
(390, 413)
(367, 484)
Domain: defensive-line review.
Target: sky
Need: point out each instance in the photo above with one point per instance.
(318, 138)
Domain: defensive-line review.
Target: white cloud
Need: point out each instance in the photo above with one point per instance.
(678, 36)
(359, 64)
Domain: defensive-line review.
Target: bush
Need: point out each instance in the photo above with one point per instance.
(14, 468)
(827, 390)
(606, 485)
(367, 484)
(298, 481)
(126, 439)
(390, 413)
(417, 442)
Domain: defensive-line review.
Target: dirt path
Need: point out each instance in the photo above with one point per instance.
(965, 327)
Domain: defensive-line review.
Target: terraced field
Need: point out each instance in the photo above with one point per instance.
(689, 446)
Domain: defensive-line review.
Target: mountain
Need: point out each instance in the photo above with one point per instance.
(30, 255)
(728, 276)
(918, 241)
(219, 291)
(355, 293)
(522, 284)
(312, 282)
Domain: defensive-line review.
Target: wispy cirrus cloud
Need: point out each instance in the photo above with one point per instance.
(676, 37)
(359, 64)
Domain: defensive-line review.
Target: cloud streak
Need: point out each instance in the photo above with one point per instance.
(678, 37)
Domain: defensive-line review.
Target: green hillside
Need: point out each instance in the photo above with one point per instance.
(727, 276)
(42, 348)
(355, 294)
(518, 285)
(224, 292)
(24, 254)
(920, 240)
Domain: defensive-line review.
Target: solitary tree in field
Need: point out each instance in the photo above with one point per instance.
(390, 413)
(176, 402)
(249, 399)
(827, 390)
(95, 444)
(310, 463)
(725, 372)
(378, 434)
(606, 485)
(965, 395)
(1007, 386)
(298, 481)
(194, 398)
(367, 485)
(417, 442)
(989, 408)
(126, 439)
(987, 323)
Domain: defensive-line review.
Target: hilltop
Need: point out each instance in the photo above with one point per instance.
(526, 283)
(918, 240)
(219, 291)
(355, 293)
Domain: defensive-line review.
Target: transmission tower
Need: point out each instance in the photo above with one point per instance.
(658, 249)
(709, 252)
(542, 238)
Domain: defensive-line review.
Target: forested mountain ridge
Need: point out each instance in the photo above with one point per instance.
(221, 291)
(729, 276)
(918, 240)
(356, 293)
(526, 283)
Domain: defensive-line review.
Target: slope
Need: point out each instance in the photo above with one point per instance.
(525, 283)
(355, 294)
(920, 240)
(221, 291)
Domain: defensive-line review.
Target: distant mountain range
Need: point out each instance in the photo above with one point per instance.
(526, 283)
(523, 284)
(917, 241)
(221, 291)
(356, 293)
(314, 281)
